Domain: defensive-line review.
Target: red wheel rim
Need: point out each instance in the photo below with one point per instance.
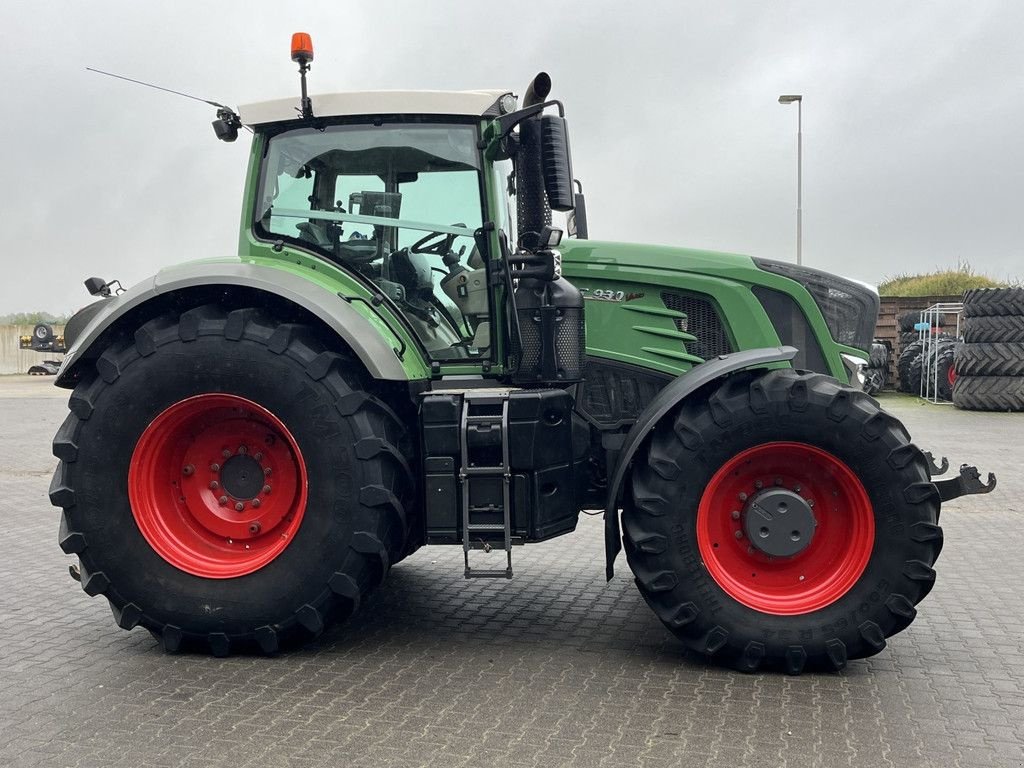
(834, 559)
(217, 486)
(951, 375)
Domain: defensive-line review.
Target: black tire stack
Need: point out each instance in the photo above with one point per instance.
(914, 362)
(990, 361)
(910, 348)
(876, 375)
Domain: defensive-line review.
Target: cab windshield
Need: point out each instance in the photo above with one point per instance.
(398, 204)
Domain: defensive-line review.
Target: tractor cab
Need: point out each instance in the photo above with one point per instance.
(408, 192)
(395, 202)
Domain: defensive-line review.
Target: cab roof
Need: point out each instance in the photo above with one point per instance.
(469, 103)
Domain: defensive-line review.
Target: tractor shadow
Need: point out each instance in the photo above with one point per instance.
(557, 598)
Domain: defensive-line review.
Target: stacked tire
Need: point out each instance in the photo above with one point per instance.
(876, 375)
(990, 361)
(911, 346)
(933, 355)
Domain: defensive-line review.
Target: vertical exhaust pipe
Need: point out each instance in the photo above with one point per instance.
(533, 211)
(538, 89)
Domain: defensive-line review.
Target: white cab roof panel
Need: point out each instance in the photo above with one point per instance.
(374, 103)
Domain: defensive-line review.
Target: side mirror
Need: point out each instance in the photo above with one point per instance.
(557, 164)
(225, 130)
(97, 286)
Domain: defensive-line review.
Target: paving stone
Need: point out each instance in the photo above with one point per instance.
(556, 667)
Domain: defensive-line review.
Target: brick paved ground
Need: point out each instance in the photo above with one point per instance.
(554, 668)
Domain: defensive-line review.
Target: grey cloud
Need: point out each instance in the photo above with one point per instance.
(912, 118)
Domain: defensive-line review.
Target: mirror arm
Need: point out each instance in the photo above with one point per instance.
(502, 126)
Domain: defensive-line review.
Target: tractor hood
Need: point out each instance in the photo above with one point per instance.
(849, 308)
(658, 258)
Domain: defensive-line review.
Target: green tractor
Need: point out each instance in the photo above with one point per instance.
(406, 352)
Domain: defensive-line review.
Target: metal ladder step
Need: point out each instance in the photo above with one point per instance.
(468, 472)
(492, 574)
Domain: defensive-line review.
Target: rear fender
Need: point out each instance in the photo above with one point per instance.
(374, 350)
(666, 400)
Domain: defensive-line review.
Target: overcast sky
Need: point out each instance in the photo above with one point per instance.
(913, 122)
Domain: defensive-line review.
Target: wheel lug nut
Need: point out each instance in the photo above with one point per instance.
(258, 456)
(810, 503)
(256, 502)
(239, 506)
(266, 489)
(735, 514)
(797, 489)
(188, 469)
(266, 471)
(759, 485)
(743, 497)
(243, 450)
(738, 534)
(254, 527)
(778, 481)
(223, 500)
(226, 453)
(215, 467)
(214, 485)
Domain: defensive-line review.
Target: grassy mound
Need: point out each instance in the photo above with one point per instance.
(949, 282)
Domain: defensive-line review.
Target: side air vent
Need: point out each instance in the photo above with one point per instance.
(792, 328)
(703, 321)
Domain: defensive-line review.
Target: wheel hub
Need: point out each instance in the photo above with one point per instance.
(217, 485)
(778, 522)
(242, 477)
(747, 542)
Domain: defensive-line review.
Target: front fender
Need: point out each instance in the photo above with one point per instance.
(668, 398)
(369, 345)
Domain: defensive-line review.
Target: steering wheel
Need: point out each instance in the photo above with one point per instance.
(442, 246)
(437, 243)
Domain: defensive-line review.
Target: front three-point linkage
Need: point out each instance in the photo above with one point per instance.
(966, 483)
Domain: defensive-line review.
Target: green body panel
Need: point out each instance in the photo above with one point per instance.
(638, 329)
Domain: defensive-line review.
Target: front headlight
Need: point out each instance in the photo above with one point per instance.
(850, 308)
(855, 369)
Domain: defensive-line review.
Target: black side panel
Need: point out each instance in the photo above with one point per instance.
(793, 329)
(613, 394)
(546, 462)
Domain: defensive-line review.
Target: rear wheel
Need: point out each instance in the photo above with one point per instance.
(267, 488)
(784, 521)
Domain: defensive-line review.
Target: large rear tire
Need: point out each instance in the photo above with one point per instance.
(230, 483)
(848, 565)
(988, 302)
(994, 329)
(990, 359)
(989, 393)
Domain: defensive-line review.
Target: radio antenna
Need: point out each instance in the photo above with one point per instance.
(225, 126)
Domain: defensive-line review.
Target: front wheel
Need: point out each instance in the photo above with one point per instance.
(783, 521)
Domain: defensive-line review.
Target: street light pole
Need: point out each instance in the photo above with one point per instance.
(799, 99)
